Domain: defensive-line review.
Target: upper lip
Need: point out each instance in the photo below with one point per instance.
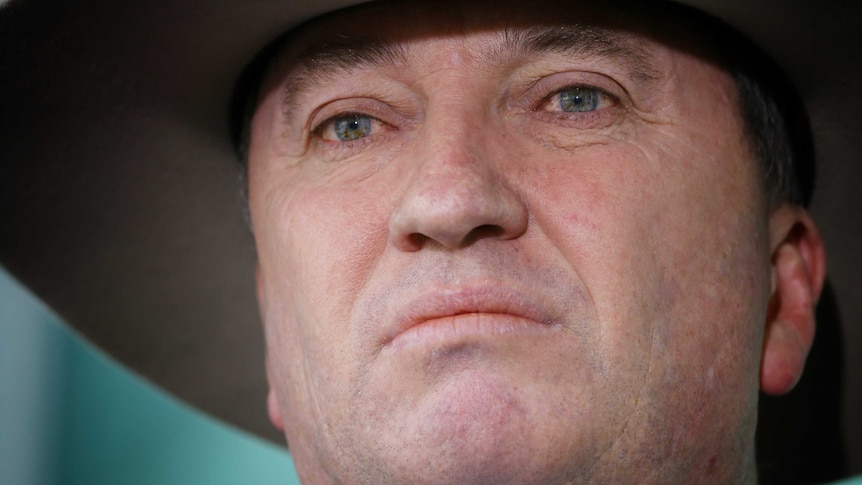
(447, 302)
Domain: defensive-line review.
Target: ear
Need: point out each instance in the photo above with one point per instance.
(274, 410)
(271, 399)
(260, 290)
(798, 271)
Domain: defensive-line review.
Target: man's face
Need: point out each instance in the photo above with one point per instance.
(494, 251)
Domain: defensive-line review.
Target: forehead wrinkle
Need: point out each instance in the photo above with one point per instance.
(584, 41)
(321, 62)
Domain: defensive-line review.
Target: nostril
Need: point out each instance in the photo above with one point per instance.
(417, 240)
(490, 231)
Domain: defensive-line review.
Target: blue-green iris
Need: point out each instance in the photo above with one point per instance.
(352, 127)
(579, 100)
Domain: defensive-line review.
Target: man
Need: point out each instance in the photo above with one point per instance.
(508, 243)
(537, 250)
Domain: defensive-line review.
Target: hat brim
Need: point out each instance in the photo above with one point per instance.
(118, 184)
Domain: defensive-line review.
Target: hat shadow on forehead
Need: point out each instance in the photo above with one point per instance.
(768, 100)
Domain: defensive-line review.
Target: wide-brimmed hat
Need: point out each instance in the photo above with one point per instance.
(119, 199)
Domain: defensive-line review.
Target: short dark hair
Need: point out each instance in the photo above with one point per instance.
(774, 116)
(777, 126)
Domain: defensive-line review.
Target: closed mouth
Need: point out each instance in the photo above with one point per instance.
(472, 312)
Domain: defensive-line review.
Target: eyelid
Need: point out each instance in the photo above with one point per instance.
(390, 113)
(319, 128)
(332, 149)
(346, 107)
(386, 120)
(543, 86)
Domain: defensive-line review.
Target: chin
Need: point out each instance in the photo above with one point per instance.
(477, 427)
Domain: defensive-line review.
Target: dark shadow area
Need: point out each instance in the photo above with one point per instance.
(799, 435)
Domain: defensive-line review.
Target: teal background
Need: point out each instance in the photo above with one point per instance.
(71, 415)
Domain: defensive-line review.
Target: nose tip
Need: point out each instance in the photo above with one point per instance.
(455, 209)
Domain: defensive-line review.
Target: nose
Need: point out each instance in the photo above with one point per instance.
(455, 199)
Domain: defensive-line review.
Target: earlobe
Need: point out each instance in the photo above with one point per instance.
(273, 409)
(798, 263)
(271, 399)
(259, 288)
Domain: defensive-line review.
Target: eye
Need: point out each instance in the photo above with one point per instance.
(578, 99)
(348, 127)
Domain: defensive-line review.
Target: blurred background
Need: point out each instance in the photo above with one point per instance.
(70, 415)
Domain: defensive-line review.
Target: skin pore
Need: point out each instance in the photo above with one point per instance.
(532, 251)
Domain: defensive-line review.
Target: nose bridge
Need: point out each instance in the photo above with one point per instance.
(457, 194)
(455, 164)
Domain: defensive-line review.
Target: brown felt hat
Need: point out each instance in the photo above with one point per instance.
(119, 194)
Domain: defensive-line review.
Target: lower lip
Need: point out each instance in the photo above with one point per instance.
(464, 327)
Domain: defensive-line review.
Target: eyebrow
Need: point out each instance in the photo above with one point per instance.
(624, 48)
(346, 54)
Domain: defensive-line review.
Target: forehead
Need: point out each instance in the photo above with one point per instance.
(637, 35)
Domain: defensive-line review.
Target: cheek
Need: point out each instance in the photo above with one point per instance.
(316, 245)
(322, 237)
(669, 236)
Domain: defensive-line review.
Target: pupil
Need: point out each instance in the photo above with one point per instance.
(579, 100)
